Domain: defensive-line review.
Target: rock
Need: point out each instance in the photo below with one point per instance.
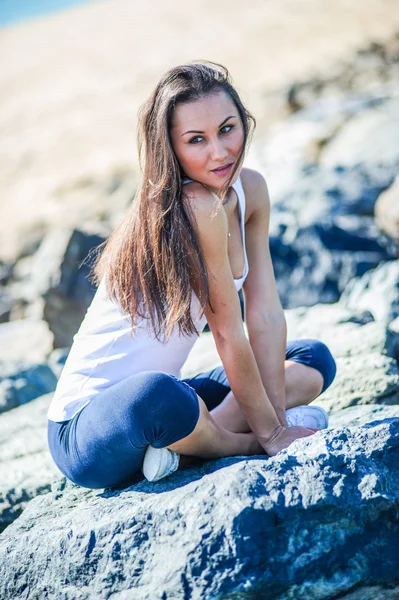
(375, 592)
(372, 71)
(386, 210)
(308, 523)
(392, 339)
(322, 234)
(364, 350)
(354, 416)
(379, 124)
(22, 381)
(377, 291)
(314, 264)
(5, 308)
(57, 359)
(25, 339)
(26, 467)
(61, 280)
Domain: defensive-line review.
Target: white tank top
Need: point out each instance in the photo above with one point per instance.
(104, 352)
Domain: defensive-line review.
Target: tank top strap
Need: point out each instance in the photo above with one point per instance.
(242, 207)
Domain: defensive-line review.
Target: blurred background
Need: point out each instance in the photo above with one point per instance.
(321, 78)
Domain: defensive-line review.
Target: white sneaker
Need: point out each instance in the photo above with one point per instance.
(307, 416)
(159, 463)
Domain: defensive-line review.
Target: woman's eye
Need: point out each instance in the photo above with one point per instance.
(193, 140)
(228, 127)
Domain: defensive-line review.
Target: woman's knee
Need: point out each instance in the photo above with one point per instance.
(163, 407)
(315, 354)
(323, 361)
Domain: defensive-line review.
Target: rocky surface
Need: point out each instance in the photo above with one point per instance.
(366, 387)
(308, 523)
(387, 210)
(22, 381)
(26, 467)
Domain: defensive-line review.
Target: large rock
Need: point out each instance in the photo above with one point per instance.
(322, 233)
(316, 521)
(60, 277)
(369, 137)
(26, 467)
(365, 352)
(25, 339)
(386, 210)
(22, 381)
(377, 291)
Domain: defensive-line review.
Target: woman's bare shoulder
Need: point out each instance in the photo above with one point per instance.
(256, 192)
(199, 198)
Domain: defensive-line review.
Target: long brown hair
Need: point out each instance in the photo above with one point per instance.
(153, 261)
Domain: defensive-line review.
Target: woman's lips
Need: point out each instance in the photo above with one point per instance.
(223, 170)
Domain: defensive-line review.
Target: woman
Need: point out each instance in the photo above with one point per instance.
(196, 233)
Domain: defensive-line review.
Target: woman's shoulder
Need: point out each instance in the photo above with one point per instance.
(255, 190)
(200, 199)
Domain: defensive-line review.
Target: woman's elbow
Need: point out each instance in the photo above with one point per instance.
(261, 320)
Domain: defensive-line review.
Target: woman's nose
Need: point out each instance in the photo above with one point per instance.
(218, 150)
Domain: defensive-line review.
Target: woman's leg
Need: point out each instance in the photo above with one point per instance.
(105, 443)
(309, 371)
(210, 440)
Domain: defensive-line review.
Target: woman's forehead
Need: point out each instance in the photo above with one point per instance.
(209, 110)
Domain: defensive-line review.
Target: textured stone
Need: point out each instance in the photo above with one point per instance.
(351, 145)
(386, 210)
(25, 339)
(377, 291)
(316, 521)
(22, 381)
(60, 277)
(26, 467)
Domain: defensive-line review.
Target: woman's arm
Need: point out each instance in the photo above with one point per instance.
(264, 315)
(226, 323)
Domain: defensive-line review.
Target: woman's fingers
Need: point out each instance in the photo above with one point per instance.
(284, 437)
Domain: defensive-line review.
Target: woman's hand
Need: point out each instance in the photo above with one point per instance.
(283, 437)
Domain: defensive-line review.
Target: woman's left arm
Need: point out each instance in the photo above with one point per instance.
(264, 315)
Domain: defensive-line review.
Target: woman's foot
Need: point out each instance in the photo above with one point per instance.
(159, 463)
(313, 417)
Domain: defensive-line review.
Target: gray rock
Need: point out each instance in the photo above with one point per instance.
(352, 144)
(386, 210)
(60, 276)
(22, 381)
(364, 350)
(375, 592)
(322, 233)
(361, 415)
(346, 333)
(376, 291)
(57, 359)
(26, 467)
(25, 339)
(313, 523)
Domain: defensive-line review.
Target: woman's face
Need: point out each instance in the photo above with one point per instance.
(208, 134)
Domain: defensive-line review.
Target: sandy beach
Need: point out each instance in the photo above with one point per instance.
(71, 82)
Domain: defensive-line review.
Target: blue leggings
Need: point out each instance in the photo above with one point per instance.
(104, 444)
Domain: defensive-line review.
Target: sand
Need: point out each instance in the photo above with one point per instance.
(71, 82)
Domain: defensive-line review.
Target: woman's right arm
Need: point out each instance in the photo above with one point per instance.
(227, 328)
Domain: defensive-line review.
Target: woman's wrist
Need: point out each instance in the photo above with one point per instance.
(269, 437)
(280, 412)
